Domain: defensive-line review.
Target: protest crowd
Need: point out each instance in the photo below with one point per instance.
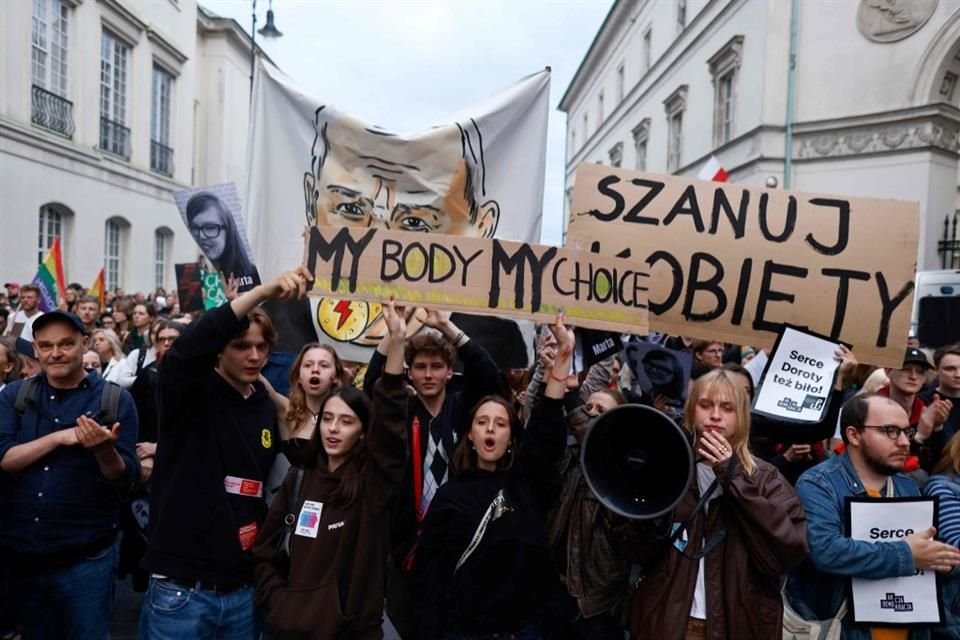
(138, 442)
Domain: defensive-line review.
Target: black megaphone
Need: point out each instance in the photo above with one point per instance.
(637, 461)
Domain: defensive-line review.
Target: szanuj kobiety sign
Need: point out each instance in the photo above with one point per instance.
(478, 275)
(736, 263)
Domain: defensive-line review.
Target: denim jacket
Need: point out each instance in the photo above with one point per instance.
(819, 586)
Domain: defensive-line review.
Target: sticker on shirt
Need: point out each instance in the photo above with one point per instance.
(243, 487)
(309, 521)
(266, 438)
(247, 533)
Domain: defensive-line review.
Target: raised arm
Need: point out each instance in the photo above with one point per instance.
(282, 403)
(481, 375)
(387, 435)
(545, 435)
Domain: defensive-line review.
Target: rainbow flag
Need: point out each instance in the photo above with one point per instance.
(99, 288)
(50, 278)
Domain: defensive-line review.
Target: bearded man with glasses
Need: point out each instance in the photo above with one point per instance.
(877, 433)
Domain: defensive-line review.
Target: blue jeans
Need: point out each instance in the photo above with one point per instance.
(74, 602)
(172, 612)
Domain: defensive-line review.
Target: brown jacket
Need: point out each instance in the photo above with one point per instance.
(335, 585)
(766, 536)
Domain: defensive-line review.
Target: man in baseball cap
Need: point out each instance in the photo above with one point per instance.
(904, 388)
(61, 487)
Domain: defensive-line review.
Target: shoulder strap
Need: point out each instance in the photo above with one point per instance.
(27, 394)
(109, 403)
(141, 356)
(291, 517)
(496, 509)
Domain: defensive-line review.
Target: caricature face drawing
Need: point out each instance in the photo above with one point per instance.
(432, 182)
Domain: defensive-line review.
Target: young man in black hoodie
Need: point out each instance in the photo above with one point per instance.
(216, 443)
(437, 418)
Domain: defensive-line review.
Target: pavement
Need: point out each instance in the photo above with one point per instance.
(126, 614)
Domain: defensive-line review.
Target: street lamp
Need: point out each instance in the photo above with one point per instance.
(269, 30)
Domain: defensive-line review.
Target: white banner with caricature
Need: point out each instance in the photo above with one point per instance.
(480, 174)
(899, 601)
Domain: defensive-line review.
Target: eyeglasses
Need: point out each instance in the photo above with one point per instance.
(166, 338)
(716, 352)
(892, 431)
(208, 230)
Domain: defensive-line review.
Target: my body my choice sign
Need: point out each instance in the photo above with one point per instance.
(478, 275)
(736, 263)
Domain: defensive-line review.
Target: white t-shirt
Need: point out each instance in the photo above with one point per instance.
(21, 317)
(705, 477)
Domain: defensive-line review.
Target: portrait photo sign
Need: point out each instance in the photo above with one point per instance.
(479, 276)
(798, 379)
(735, 264)
(214, 219)
(900, 601)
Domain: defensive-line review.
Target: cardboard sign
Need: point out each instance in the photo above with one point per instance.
(478, 275)
(735, 263)
(900, 601)
(215, 220)
(799, 377)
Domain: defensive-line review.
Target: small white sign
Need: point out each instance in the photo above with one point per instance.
(308, 523)
(893, 601)
(799, 377)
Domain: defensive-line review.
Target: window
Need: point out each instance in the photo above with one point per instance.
(675, 105)
(725, 100)
(616, 155)
(573, 142)
(586, 127)
(641, 133)
(161, 155)
(621, 83)
(647, 49)
(112, 253)
(51, 226)
(161, 252)
(114, 136)
(725, 69)
(600, 109)
(48, 57)
(681, 15)
(49, 50)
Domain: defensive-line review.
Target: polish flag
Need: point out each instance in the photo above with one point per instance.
(713, 171)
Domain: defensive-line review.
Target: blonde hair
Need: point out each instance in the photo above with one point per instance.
(950, 462)
(114, 341)
(723, 384)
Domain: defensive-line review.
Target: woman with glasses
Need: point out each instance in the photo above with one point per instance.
(144, 391)
(107, 345)
(749, 534)
(215, 230)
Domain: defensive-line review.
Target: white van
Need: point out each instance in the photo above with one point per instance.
(936, 308)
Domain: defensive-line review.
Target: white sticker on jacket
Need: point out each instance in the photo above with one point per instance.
(309, 521)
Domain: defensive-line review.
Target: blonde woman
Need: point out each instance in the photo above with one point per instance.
(750, 533)
(107, 345)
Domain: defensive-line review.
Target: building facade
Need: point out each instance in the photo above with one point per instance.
(106, 108)
(871, 108)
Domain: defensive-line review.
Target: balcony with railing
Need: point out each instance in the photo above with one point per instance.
(161, 159)
(52, 112)
(114, 138)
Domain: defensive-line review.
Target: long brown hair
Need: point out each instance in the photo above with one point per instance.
(465, 456)
(950, 462)
(298, 410)
(351, 481)
(722, 383)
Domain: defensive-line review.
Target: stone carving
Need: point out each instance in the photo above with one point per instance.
(849, 142)
(892, 20)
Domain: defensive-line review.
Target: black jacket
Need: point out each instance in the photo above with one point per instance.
(509, 580)
(481, 378)
(207, 432)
